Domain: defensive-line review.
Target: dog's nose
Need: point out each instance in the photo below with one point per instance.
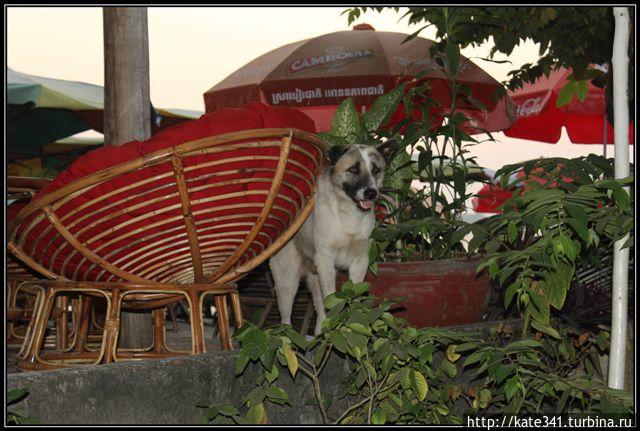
(370, 194)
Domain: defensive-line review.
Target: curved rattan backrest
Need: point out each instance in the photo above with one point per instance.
(203, 211)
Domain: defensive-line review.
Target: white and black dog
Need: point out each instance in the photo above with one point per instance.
(336, 234)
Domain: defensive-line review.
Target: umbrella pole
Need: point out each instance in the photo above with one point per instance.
(620, 61)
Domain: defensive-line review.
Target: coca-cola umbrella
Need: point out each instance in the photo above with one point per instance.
(539, 119)
(315, 75)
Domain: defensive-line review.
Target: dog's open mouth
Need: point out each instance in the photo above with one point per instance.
(363, 205)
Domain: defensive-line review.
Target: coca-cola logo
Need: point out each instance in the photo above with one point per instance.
(529, 107)
(332, 57)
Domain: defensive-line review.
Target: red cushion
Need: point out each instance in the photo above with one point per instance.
(134, 220)
(254, 115)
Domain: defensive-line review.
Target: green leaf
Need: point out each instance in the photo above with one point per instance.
(512, 232)
(452, 50)
(580, 229)
(16, 394)
(346, 123)
(400, 172)
(332, 300)
(276, 393)
(451, 353)
(582, 89)
(448, 368)
(419, 385)
(546, 329)
(484, 398)
(256, 415)
(539, 307)
(360, 329)
(256, 396)
(241, 362)
(577, 212)
(556, 284)
(318, 355)
(511, 387)
(255, 343)
(272, 375)
(510, 292)
(331, 140)
(503, 371)
(296, 337)
(339, 342)
(291, 358)
(228, 410)
(480, 355)
(425, 352)
(382, 109)
(566, 93)
(378, 417)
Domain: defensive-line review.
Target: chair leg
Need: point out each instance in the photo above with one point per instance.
(112, 327)
(62, 324)
(82, 331)
(237, 308)
(223, 321)
(197, 324)
(159, 326)
(35, 340)
(12, 294)
(172, 315)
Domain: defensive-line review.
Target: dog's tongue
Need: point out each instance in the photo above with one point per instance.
(366, 204)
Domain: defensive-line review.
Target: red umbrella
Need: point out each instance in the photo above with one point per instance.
(539, 119)
(315, 75)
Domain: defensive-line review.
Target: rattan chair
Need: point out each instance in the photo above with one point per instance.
(20, 305)
(178, 223)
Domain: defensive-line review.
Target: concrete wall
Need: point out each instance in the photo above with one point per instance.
(162, 391)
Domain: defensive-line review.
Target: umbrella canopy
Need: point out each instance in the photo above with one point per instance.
(539, 119)
(315, 75)
(42, 110)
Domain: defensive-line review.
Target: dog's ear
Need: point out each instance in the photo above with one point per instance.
(334, 153)
(388, 149)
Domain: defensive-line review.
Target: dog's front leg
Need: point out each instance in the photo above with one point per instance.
(325, 265)
(358, 270)
(326, 269)
(359, 266)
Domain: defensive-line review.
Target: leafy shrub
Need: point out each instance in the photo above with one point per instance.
(403, 375)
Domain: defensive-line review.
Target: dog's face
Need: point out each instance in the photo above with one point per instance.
(357, 171)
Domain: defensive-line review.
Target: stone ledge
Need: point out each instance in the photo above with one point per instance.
(162, 391)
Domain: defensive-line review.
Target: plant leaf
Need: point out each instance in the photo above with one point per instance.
(292, 359)
(346, 122)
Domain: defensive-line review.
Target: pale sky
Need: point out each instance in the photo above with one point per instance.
(193, 48)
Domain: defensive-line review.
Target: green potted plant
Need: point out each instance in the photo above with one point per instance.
(417, 253)
(566, 213)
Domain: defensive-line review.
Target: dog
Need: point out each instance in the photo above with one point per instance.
(336, 234)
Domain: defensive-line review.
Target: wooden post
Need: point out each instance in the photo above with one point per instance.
(127, 112)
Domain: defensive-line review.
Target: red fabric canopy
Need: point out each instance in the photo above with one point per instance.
(539, 119)
(315, 75)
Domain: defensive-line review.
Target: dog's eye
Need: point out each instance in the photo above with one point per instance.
(375, 170)
(355, 169)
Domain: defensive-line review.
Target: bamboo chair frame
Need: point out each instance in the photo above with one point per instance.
(148, 260)
(19, 189)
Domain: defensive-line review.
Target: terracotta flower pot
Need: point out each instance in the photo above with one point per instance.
(434, 293)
